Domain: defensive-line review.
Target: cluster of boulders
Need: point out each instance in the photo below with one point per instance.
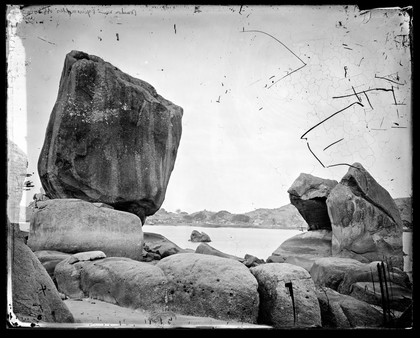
(108, 154)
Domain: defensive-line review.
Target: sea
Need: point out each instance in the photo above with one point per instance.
(234, 241)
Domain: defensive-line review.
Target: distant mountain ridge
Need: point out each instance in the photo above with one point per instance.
(285, 217)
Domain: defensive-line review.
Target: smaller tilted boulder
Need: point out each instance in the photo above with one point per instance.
(197, 236)
(308, 194)
(206, 249)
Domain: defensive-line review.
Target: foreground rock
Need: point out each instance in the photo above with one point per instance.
(340, 311)
(204, 285)
(287, 296)
(303, 249)
(365, 220)
(197, 236)
(405, 207)
(157, 246)
(308, 194)
(72, 225)
(206, 249)
(117, 280)
(110, 138)
(34, 295)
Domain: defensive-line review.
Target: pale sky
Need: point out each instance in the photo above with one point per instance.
(241, 145)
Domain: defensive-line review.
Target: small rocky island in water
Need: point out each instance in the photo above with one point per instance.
(109, 150)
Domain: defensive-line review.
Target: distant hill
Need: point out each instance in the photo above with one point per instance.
(285, 217)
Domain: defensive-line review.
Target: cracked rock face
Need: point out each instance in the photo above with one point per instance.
(110, 138)
(366, 224)
(308, 194)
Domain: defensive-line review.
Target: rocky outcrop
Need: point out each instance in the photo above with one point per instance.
(197, 236)
(287, 296)
(206, 249)
(303, 249)
(157, 246)
(73, 225)
(204, 285)
(366, 223)
(17, 164)
(111, 138)
(308, 194)
(116, 280)
(34, 295)
(361, 280)
(340, 311)
(251, 261)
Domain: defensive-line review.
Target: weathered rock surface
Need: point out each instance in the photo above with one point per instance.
(197, 236)
(204, 285)
(206, 249)
(342, 312)
(366, 223)
(303, 249)
(73, 225)
(110, 138)
(34, 295)
(278, 307)
(251, 261)
(308, 194)
(117, 280)
(17, 163)
(157, 246)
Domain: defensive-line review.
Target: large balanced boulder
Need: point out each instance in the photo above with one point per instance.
(308, 194)
(340, 311)
(210, 286)
(34, 295)
(365, 220)
(303, 249)
(116, 280)
(287, 296)
(73, 225)
(111, 138)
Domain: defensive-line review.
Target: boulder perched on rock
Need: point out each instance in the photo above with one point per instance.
(116, 280)
(197, 236)
(303, 249)
(34, 295)
(251, 261)
(206, 249)
(157, 246)
(204, 285)
(366, 222)
(111, 138)
(17, 163)
(287, 296)
(340, 311)
(73, 225)
(308, 194)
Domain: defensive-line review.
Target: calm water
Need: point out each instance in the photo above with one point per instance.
(235, 241)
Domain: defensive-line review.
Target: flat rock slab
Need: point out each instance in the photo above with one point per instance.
(73, 225)
(287, 296)
(205, 285)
